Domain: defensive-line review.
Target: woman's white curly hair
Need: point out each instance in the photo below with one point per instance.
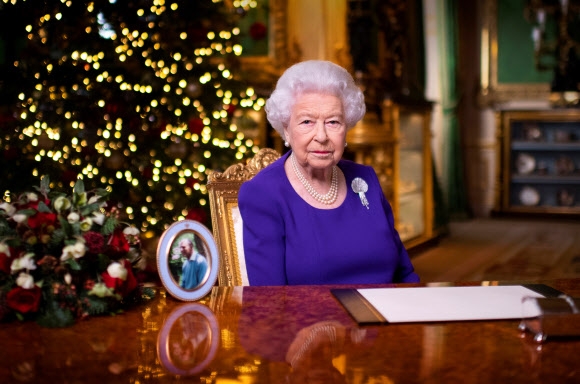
(314, 76)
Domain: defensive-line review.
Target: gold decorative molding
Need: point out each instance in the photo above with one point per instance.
(242, 172)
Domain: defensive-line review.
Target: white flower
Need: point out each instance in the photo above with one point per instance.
(75, 251)
(68, 278)
(31, 196)
(73, 217)
(61, 203)
(117, 271)
(98, 218)
(19, 218)
(130, 231)
(5, 249)
(95, 198)
(25, 280)
(24, 262)
(86, 224)
(8, 208)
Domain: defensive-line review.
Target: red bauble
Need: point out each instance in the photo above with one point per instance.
(6, 118)
(11, 153)
(147, 172)
(197, 34)
(230, 109)
(112, 109)
(68, 176)
(195, 125)
(258, 30)
(196, 214)
(191, 181)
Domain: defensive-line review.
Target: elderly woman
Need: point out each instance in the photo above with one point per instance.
(312, 217)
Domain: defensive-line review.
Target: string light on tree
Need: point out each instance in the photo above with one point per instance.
(139, 98)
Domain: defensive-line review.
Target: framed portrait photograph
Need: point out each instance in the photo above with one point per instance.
(188, 340)
(187, 260)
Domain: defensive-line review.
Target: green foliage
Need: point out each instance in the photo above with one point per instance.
(109, 225)
(79, 187)
(57, 238)
(96, 306)
(55, 316)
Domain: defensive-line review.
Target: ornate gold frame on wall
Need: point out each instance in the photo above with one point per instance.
(492, 91)
(264, 71)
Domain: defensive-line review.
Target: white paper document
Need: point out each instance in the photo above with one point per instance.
(426, 304)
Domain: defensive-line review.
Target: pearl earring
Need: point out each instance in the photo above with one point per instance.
(286, 144)
(345, 144)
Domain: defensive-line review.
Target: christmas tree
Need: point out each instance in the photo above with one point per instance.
(143, 97)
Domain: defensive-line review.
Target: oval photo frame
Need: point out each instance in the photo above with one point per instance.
(187, 260)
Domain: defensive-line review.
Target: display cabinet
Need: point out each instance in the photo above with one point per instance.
(539, 162)
(396, 143)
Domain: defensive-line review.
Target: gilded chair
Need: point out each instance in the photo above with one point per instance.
(223, 190)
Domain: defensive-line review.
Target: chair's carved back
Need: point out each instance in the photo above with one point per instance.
(223, 190)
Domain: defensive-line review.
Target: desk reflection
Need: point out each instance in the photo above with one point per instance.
(278, 335)
(316, 353)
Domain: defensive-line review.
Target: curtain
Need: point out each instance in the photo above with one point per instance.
(441, 32)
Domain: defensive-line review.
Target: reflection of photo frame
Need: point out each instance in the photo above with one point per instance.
(187, 260)
(507, 58)
(188, 340)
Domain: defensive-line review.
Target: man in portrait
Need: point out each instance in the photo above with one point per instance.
(194, 265)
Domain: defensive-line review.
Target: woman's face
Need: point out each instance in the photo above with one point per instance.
(316, 131)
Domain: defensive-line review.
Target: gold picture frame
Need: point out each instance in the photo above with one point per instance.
(494, 90)
(264, 70)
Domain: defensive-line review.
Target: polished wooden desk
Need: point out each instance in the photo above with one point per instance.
(279, 335)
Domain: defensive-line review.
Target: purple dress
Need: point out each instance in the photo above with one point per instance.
(289, 242)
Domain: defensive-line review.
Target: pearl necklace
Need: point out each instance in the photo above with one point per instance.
(332, 194)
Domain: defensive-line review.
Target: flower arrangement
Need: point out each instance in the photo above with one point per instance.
(63, 257)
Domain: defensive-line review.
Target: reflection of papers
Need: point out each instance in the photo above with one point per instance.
(448, 303)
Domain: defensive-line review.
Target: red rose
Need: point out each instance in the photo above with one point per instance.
(117, 244)
(94, 242)
(41, 218)
(24, 300)
(122, 287)
(6, 261)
